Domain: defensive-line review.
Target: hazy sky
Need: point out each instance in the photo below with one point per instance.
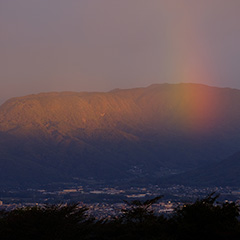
(98, 45)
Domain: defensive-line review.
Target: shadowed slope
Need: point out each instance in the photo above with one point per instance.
(224, 173)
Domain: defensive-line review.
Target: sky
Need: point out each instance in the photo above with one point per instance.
(100, 45)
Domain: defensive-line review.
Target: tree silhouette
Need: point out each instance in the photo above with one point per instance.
(138, 221)
(206, 218)
(138, 211)
(46, 222)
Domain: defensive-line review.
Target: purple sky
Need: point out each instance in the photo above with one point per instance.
(99, 45)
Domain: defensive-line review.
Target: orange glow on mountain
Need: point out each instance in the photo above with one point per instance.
(197, 108)
(181, 108)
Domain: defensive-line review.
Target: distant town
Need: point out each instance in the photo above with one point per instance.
(107, 201)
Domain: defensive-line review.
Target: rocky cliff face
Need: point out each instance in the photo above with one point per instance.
(59, 136)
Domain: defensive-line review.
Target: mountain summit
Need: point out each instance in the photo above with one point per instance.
(122, 134)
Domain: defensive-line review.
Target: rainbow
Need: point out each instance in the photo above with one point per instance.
(190, 63)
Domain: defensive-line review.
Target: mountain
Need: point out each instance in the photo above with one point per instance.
(123, 134)
(224, 173)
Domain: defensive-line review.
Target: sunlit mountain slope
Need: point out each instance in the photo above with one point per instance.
(142, 132)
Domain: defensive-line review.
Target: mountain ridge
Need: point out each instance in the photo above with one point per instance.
(105, 135)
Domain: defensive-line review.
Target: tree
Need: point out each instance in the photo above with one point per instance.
(46, 222)
(206, 218)
(138, 221)
(139, 212)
